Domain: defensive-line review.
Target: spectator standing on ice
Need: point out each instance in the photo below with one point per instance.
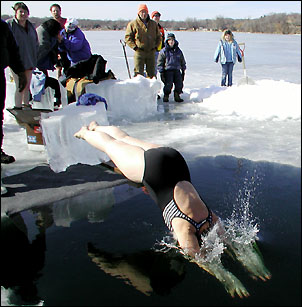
(155, 15)
(73, 41)
(48, 33)
(172, 65)
(62, 63)
(27, 40)
(9, 56)
(227, 51)
(143, 36)
(55, 10)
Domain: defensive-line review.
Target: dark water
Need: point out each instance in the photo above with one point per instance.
(99, 249)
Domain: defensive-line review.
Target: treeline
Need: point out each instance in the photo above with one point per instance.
(273, 23)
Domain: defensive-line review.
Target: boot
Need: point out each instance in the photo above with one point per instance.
(166, 98)
(6, 159)
(177, 97)
(57, 102)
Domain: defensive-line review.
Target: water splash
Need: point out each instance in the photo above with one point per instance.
(209, 259)
(242, 229)
(237, 234)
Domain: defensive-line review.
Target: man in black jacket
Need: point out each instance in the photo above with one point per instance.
(9, 56)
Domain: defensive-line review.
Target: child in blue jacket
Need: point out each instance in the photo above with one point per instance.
(171, 66)
(227, 51)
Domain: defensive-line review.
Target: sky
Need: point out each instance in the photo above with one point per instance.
(170, 10)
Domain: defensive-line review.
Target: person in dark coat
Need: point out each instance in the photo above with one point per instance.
(9, 56)
(171, 66)
(48, 33)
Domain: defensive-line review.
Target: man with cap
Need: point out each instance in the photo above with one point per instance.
(143, 36)
(155, 15)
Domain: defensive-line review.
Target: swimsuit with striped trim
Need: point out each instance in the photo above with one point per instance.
(171, 211)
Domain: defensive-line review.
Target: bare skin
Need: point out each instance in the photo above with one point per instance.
(143, 14)
(21, 15)
(128, 155)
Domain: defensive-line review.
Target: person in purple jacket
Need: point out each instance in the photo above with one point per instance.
(171, 66)
(74, 42)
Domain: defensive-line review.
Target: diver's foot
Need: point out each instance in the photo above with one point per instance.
(92, 125)
(81, 133)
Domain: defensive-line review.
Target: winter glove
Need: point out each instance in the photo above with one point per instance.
(90, 99)
(183, 75)
(162, 77)
(239, 58)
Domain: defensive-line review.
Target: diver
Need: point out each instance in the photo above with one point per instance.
(164, 173)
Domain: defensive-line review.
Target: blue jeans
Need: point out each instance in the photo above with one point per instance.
(227, 71)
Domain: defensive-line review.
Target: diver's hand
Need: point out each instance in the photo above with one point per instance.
(230, 282)
(233, 285)
(250, 257)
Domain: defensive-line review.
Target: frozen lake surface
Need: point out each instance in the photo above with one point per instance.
(238, 141)
(260, 122)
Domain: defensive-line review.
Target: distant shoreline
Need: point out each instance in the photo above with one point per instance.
(189, 30)
(275, 23)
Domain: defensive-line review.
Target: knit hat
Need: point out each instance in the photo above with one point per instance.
(154, 13)
(71, 24)
(142, 7)
(170, 35)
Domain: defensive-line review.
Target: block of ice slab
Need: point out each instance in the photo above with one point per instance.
(58, 128)
(132, 99)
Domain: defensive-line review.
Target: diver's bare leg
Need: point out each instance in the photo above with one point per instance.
(121, 135)
(128, 158)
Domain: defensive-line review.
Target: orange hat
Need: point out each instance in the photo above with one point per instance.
(155, 12)
(142, 7)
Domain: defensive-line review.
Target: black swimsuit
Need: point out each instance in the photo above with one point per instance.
(164, 168)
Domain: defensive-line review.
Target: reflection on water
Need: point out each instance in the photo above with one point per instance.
(69, 210)
(103, 247)
(23, 260)
(161, 274)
